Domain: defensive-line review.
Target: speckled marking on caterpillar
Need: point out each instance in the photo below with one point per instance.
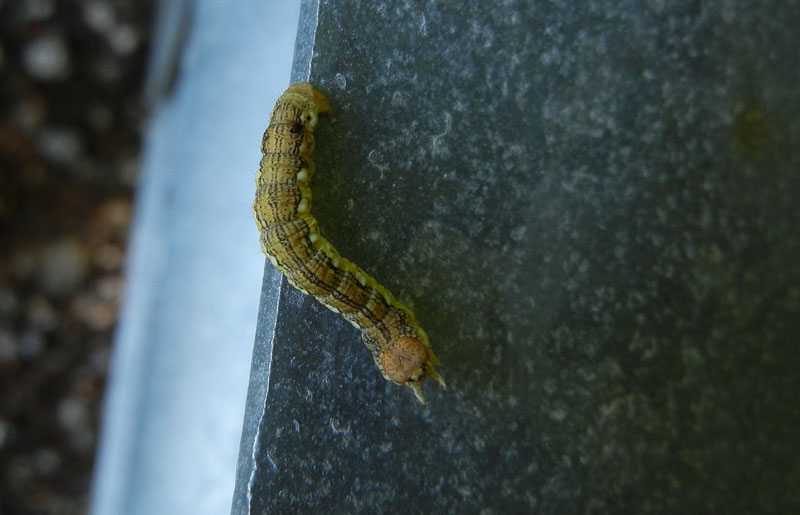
(291, 240)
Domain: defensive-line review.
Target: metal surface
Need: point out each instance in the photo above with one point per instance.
(172, 420)
(592, 208)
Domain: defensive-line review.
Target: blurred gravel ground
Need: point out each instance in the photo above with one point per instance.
(70, 129)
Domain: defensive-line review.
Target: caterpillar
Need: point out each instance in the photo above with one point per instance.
(291, 239)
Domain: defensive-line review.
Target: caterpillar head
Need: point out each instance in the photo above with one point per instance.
(408, 361)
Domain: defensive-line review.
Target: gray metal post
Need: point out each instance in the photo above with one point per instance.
(179, 372)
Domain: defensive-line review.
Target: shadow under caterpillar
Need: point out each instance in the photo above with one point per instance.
(291, 239)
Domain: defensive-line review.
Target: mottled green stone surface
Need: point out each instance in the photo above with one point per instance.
(593, 209)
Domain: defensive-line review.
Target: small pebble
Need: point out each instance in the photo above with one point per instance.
(63, 265)
(47, 461)
(47, 58)
(109, 288)
(62, 145)
(99, 16)
(109, 257)
(73, 414)
(41, 314)
(115, 215)
(74, 417)
(124, 40)
(128, 170)
(95, 312)
(31, 345)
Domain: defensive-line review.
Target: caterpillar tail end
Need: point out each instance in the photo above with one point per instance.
(409, 362)
(416, 387)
